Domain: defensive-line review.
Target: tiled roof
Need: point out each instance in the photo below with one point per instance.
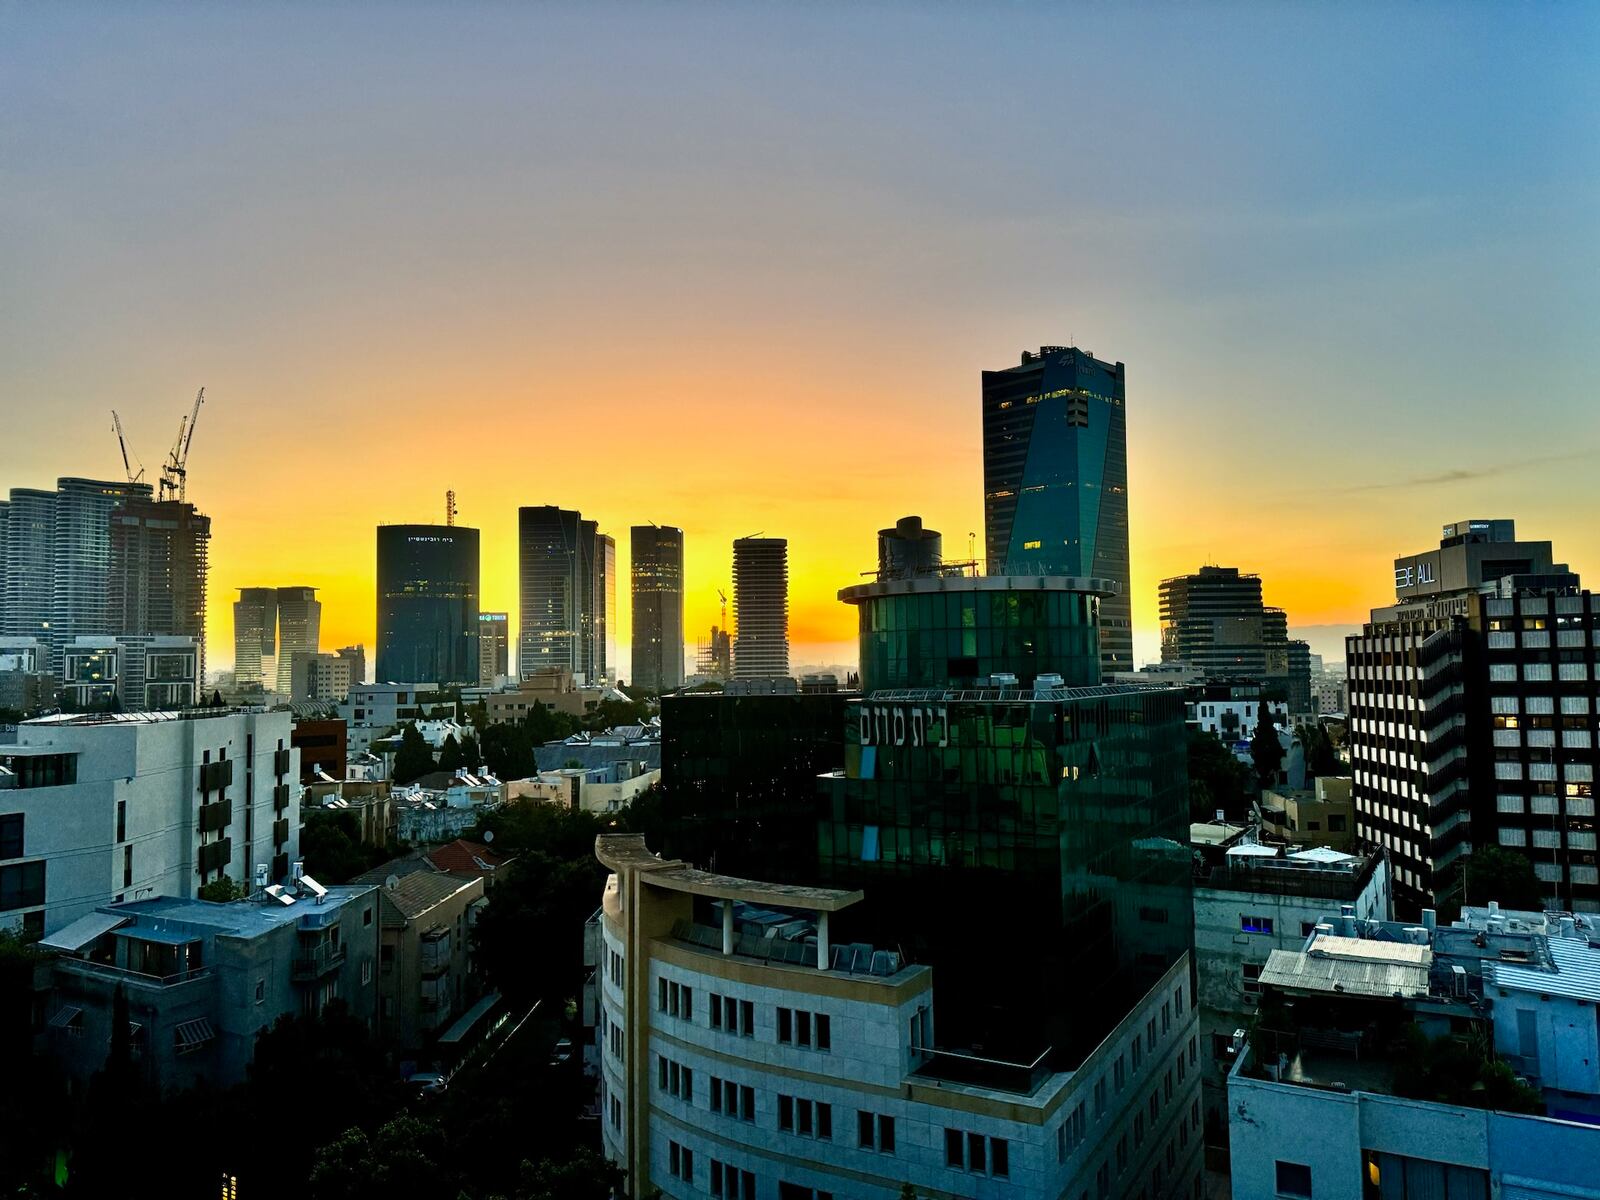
(462, 857)
(415, 894)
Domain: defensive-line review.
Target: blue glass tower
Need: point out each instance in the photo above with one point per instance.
(1055, 478)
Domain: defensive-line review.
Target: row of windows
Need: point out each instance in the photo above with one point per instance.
(1071, 1133)
(798, 1027)
(808, 1118)
(675, 999)
(974, 1152)
(738, 1017)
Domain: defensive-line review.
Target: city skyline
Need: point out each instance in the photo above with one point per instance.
(1325, 306)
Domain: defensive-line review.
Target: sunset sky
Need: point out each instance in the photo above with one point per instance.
(737, 268)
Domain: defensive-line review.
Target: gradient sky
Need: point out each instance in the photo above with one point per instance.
(737, 268)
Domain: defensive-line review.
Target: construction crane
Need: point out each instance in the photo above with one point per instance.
(175, 471)
(723, 596)
(450, 507)
(127, 467)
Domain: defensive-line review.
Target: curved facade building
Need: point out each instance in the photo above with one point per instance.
(962, 630)
(732, 1065)
(427, 604)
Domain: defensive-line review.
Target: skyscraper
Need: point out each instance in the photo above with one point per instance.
(1055, 479)
(494, 646)
(299, 630)
(1214, 620)
(761, 607)
(255, 637)
(356, 656)
(160, 562)
(427, 604)
(55, 558)
(657, 568)
(566, 593)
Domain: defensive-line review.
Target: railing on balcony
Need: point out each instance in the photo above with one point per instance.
(215, 776)
(116, 974)
(214, 818)
(215, 855)
(318, 962)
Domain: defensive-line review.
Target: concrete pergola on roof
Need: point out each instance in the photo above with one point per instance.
(628, 852)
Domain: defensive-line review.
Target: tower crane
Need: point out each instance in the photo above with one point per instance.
(127, 467)
(723, 596)
(175, 471)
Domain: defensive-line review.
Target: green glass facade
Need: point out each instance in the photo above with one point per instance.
(1034, 850)
(961, 636)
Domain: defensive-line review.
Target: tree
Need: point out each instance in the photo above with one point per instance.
(471, 755)
(1266, 751)
(1216, 779)
(1321, 758)
(330, 844)
(413, 760)
(450, 757)
(1496, 873)
(221, 890)
(584, 1176)
(403, 1158)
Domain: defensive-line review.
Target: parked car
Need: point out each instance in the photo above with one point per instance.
(428, 1083)
(561, 1053)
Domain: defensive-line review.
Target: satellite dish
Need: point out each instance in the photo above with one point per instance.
(392, 882)
(488, 836)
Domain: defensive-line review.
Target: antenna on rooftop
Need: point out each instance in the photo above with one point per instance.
(450, 507)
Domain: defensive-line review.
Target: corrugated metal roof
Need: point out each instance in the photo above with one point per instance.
(81, 932)
(1577, 973)
(1353, 976)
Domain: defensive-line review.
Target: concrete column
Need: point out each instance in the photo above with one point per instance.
(727, 926)
(822, 941)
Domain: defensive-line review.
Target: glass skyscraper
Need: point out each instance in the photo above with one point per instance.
(1055, 479)
(657, 567)
(427, 604)
(566, 593)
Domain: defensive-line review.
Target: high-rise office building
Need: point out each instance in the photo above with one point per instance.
(159, 569)
(1471, 717)
(299, 631)
(657, 567)
(356, 656)
(1055, 479)
(566, 593)
(55, 559)
(761, 607)
(255, 637)
(605, 601)
(1214, 621)
(494, 647)
(427, 604)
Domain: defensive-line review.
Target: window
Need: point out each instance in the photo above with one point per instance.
(1177, 1000)
(954, 1149)
(785, 1025)
(122, 821)
(807, 1029)
(729, 1183)
(1294, 1179)
(366, 915)
(676, 1000)
(1071, 1133)
(1120, 1072)
(674, 1078)
(127, 866)
(11, 835)
(732, 1100)
(1249, 924)
(1250, 977)
(261, 990)
(1407, 1178)
(977, 1153)
(1099, 1097)
(795, 1191)
(807, 1118)
(21, 886)
(1000, 1158)
(680, 1162)
(875, 1131)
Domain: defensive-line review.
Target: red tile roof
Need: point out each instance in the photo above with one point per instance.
(462, 857)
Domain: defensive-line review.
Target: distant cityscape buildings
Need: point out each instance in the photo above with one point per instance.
(761, 607)
(494, 647)
(270, 627)
(427, 604)
(657, 570)
(1055, 479)
(566, 573)
(159, 569)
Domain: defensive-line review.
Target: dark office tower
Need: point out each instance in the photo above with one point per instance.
(657, 554)
(255, 638)
(427, 604)
(761, 608)
(906, 549)
(494, 647)
(553, 581)
(605, 607)
(1299, 670)
(1055, 479)
(299, 630)
(159, 567)
(1214, 620)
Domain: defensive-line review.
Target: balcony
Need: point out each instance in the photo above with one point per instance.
(114, 975)
(216, 776)
(280, 797)
(215, 855)
(280, 832)
(318, 963)
(280, 865)
(280, 763)
(214, 818)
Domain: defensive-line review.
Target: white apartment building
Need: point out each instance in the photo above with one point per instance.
(139, 672)
(317, 676)
(101, 808)
(371, 710)
(732, 1066)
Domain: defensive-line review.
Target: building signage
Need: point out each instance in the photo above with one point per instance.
(1434, 610)
(904, 725)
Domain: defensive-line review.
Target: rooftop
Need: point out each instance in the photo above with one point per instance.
(946, 582)
(627, 852)
(1351, 966)
(1576, 973)
(418, 893)
(1007, 695)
